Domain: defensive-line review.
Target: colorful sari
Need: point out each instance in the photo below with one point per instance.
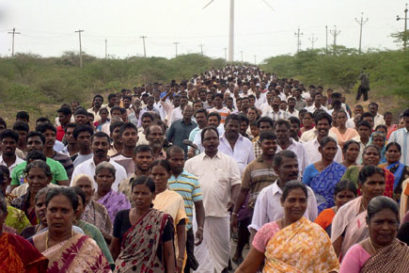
(18, 255)
(97, 214)
(16, 219)
(300, 247)
(392, 259)
(351, 224)
(400, 173)
(79, 254)
(323, 185)
(140, 245)
(114, 201)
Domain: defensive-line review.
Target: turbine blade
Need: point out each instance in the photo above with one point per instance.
(208, 4)
(268, 4)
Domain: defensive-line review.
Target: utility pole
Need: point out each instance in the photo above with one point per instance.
(106, 49)
(326, 39)
(176, 48)
(12, 40)
(231, 32)
(335, 33)
(313, 40)
(79, 36)
(405, 35)
(144, 47)
(361, 22)
(225, 54)
(298, 34)
(201, 49)
(241, 53)
(255, 59)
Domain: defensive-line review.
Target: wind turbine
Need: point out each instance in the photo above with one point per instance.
(231, 27)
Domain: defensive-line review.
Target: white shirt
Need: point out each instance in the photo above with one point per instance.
(378, 120)
(313, 108)
(293, 114)
(216, 177)
(198, 137)
(401, 136)
(88, 167)
(299, 150)
(11, 167)
(313, 154)
(277, 115)
(176, 115)
(243, 152)
(313, 133)
(268, 206)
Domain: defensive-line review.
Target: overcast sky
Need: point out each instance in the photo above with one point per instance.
(47, 26)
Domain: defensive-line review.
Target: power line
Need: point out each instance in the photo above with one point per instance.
(405, 36)
(79, 36)
(144, 46)
(298, 34)
(361, 22)
(313, 40)
(12, 40)
(334, 33)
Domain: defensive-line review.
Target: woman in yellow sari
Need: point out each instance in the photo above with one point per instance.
(292, 244)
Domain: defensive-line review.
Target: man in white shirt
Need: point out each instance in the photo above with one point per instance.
(100, 146)
(276, 113)
(219, 179)
(8, 144)
(268, 205)
(323, 123)
(401, 136)
(317, 104)
(282, 131)
(232, 143)
(378, 118)
(291, 107)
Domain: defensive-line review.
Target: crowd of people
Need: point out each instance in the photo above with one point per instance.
(164, 177)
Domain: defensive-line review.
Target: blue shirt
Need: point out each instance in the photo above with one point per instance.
(188, 187)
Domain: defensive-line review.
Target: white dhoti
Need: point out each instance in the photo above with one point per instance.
(213, 253)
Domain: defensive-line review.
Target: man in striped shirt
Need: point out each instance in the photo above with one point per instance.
(188, 187)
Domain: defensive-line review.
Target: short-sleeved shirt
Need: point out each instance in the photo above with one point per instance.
(257, 175)
(57, 170)
(188, 187)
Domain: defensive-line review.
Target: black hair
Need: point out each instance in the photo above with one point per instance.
(405, 113)
(147, 115)
(67, 192)
(201, 111)
(242, 118)
(44, 127)
(98, 96)
(110, 96)
(80, 111)
(8, 133)
(115, 125)
(294, 120)
(265, 119)
(403, 233)
(21, 126)
(36, 155)
(218, 95)
(41, 164)
(215, 114)
(381, 126)
(3, 204)
(267, 135)
(142, 148)
(172, 149)
(3, 122)
(70, 125)
(368, 171)
(82, 128)
(347, 144)
(292, 185)
(364, 123)
(127, 125)
(36, 134)
(81, 193)
(366, 114)
(282, 122)
(325, 140)
(380, 203)
(345, 185)
(279, 157)
(101, 134)
(116, 108)
(207, 129)
(23, 115)
(4, 171)
(371, 146)
(397, 145)
(163, 163)
(143, 180)
(66, 111)
(323, 115)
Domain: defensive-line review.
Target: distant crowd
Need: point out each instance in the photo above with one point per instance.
(164, 177)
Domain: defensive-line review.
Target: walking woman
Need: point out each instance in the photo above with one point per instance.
(143, 236)
(323, 175)
(60, 243)
(291, 244)
(348, 226)
(382, 251)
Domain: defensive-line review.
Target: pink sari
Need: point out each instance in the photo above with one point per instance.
(351, 224)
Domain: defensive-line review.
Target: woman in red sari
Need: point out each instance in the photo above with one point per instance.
(143, 236)
(16, 254)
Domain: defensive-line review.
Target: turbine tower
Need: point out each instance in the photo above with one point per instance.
(231, 27)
